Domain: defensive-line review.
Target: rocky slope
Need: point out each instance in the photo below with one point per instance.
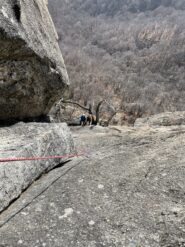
(127, 191)
(32, 71)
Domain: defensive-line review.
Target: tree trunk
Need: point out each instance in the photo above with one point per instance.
(98, 111)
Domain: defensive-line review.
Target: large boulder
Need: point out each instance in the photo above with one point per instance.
(30, 140)
(162, 119)
(32, 72)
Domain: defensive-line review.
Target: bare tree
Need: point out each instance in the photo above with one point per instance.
(132, 51)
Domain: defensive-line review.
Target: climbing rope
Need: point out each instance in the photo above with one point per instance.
(40, 158)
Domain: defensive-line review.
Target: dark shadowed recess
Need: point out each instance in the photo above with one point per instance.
(17, 12)
(39, 119)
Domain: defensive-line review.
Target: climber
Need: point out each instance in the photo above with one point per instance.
(83, 120)
(94, 120)
(91, 119)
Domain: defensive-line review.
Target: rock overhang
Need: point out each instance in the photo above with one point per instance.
(32, 71)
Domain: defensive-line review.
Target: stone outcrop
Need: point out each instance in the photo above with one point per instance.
(30, 140)
(128, 191)
(32, 72)
(162, 119)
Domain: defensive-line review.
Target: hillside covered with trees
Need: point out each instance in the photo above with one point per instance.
(131, 52)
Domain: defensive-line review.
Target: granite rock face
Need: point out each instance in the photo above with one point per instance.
(32, 71)
(128, 191)
(30, 140)
(162, 119)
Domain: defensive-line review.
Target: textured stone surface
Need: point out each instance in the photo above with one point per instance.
(32, 72)
(30, 140)
(162, 119)
(127, 192)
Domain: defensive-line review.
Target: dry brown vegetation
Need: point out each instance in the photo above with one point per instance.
(130, 52)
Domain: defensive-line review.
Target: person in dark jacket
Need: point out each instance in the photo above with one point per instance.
(83, 120)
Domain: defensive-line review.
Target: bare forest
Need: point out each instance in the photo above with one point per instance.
(129, 52)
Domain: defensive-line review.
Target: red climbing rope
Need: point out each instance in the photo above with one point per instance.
(41, 158)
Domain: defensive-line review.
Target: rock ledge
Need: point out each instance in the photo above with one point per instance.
(28, 140)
